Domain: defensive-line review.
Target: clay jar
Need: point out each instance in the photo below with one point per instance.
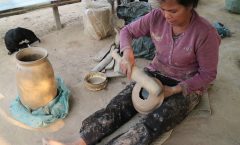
(36, 83)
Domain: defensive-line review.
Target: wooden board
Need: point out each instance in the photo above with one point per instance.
(16, 7)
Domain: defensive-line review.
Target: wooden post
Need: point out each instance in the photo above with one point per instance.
(57, 17)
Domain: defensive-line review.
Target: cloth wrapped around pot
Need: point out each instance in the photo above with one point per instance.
(56, 109)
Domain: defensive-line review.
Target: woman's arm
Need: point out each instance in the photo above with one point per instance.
(136, 29)
(207, 58)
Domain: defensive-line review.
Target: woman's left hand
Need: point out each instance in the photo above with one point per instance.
(169, 91)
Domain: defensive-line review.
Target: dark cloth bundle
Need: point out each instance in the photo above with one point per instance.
(19, 38)
(143, 47)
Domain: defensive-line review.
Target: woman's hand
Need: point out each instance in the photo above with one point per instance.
(169, 91)
(127, 62)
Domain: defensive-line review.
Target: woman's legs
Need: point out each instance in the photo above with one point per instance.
(107, 120)
(103, 122)
(172, 111)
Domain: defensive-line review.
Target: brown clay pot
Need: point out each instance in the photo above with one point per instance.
(36, 83)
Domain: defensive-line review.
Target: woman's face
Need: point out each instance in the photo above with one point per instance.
(175, 13)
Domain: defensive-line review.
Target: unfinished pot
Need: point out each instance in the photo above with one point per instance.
(152, 85)
(148, 103)
(36, 83)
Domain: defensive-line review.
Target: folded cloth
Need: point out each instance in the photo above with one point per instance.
(43, 116)
(203, 109)
(222, 30)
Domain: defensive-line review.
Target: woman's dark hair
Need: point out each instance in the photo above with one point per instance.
(186, 3)
(194, 3)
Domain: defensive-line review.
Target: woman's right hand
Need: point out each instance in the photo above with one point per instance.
(127, 62)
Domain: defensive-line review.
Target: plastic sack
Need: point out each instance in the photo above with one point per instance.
(233, 6)
(97, 20)
(154, 4)
(133, 10)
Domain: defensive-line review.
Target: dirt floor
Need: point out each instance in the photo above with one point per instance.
(71, 54)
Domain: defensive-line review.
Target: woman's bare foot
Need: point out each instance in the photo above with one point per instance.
(53, 142)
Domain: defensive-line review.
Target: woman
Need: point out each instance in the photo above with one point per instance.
(185, 62)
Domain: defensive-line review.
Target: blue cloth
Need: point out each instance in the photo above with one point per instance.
(222, 30)
(143, 47)
(41, 117)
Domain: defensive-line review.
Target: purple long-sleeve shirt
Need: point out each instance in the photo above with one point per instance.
(192, 58)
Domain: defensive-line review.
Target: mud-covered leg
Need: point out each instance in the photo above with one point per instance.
(168, 115)
(136, 135)
(173, 110)
(107, 120)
